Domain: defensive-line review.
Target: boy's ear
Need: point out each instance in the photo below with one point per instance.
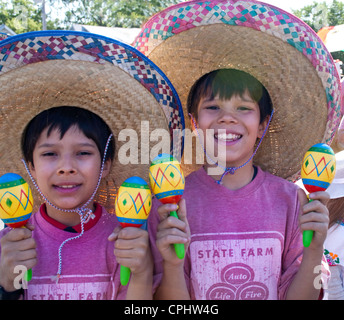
(262, 127)
(107, 168)
(32, 169)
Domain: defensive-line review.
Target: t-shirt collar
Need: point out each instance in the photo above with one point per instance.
(74, 229)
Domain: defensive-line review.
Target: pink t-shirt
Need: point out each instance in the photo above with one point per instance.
(89, 268)
(245, 244)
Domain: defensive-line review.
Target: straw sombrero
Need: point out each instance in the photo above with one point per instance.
(3, 36)
(193, 38)
(40, 70)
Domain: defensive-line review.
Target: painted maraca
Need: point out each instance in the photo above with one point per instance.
(167, 183)
(133, 205)
(15, 203)
(317, 172)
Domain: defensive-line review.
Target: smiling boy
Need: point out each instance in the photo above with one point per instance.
(218, 54)
(66, 103)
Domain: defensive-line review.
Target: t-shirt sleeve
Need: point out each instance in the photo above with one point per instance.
(292, 255)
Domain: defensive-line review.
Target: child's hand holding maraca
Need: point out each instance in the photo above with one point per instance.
(133, 205)
(132, 251)
(18, 248)
(172, 230)
(314, 216)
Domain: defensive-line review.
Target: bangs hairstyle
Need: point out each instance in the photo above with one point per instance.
(63, 118)
(226, 83)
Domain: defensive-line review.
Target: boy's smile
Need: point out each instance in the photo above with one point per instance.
(227, 138)
(66, 170)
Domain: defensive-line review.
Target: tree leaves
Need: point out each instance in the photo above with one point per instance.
(319, 14)
(25, 15)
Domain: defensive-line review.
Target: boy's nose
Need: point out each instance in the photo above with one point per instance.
(227, 117)
(62, 171)
(66, 166)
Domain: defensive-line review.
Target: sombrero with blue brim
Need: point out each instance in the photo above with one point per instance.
(45, 69)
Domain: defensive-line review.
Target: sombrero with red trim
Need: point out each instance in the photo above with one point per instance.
(193, 38)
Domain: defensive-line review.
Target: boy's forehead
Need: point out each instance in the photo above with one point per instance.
(55, 131)
(244, 96)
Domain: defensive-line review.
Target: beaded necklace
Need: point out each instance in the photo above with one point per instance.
(83, 212)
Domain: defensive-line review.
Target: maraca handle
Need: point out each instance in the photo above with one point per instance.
(124, 275)
(307, 235)
(28, 275)
(179, 248)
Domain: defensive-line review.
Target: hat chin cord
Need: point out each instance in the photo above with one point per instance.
(230, 170)
(84, 213)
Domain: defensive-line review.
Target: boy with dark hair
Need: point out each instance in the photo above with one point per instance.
(66, 104)
(242, 225)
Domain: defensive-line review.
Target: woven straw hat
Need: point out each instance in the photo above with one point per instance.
(3, 36)
(40, 70)
(193, 38)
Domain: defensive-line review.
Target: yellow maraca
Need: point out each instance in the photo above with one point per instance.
(16, 203)
(317, 173)
(167, 182)
(133, 205)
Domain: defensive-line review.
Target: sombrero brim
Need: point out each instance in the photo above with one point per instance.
(193, 38)
(119, 84)
(3, 36)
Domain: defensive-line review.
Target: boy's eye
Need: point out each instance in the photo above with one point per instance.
(244, 108)
(48, 154)
(84, 153)
(212, 107)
